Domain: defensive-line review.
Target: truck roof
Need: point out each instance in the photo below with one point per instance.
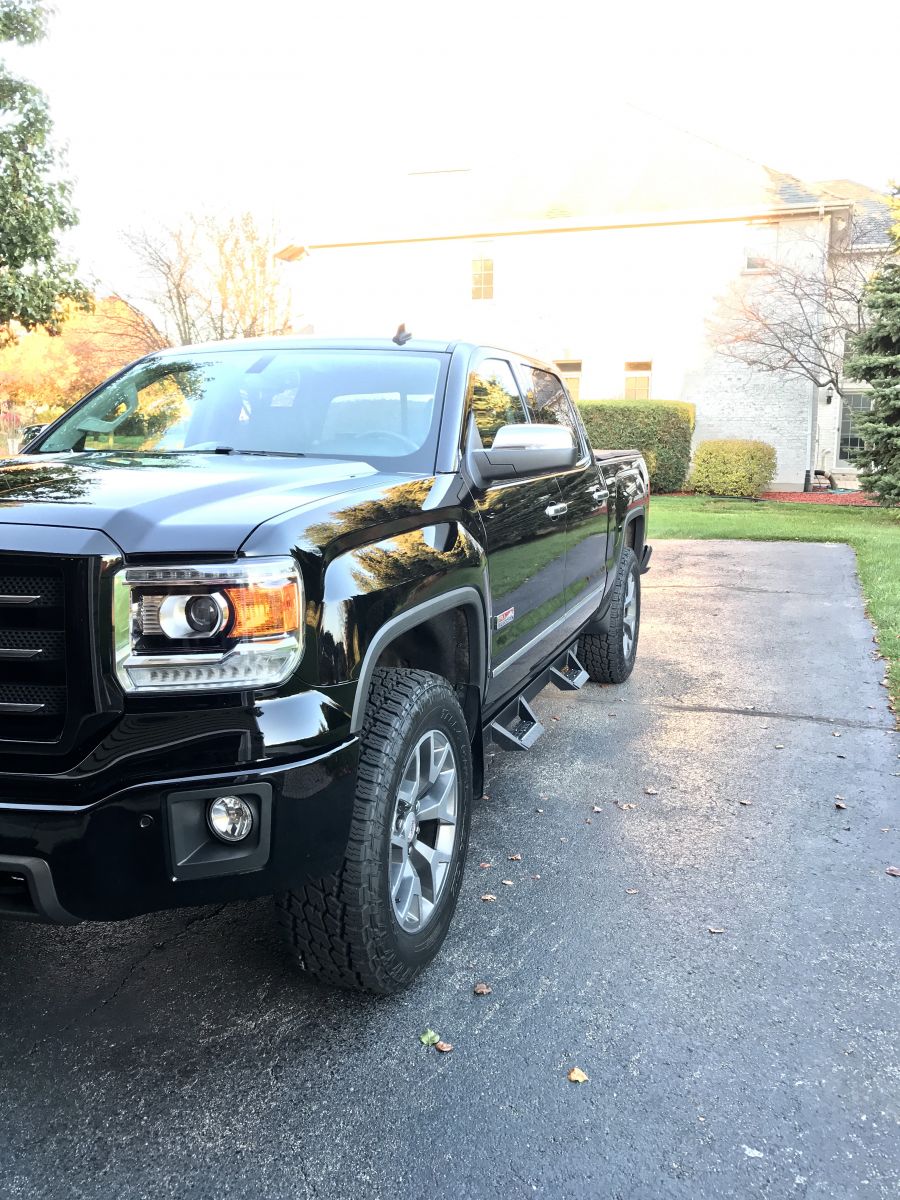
(305, 342)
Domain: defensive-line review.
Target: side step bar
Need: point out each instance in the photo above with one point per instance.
(516, 726)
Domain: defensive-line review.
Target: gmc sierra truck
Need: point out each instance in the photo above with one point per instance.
(268, 607)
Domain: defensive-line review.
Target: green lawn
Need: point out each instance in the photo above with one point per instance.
(874, 534)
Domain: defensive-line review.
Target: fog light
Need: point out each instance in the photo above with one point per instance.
(230, 818)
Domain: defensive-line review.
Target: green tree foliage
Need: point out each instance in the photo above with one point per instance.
(660, 429)
(733, 467)
(875, 359)
(35, 206)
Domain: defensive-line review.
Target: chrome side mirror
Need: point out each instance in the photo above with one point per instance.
(521, 450)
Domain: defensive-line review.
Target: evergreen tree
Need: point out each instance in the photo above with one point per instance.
(875, 359)
(35, 206)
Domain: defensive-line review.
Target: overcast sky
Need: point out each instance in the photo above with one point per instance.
(190, 104)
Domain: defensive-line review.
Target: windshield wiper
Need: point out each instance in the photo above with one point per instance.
(232, 450)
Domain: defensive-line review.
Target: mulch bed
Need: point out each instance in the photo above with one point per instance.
(849, 499)
(844, 499)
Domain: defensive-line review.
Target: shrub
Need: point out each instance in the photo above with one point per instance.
(660, 429)
(733, 467)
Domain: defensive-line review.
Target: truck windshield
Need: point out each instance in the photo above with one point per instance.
(378, 404)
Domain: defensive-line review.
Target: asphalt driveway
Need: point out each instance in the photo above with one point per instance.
(183, 1055)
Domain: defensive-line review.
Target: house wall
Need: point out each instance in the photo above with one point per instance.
(603, 296)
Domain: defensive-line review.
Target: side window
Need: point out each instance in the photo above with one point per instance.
(546, 398)
(493, 399)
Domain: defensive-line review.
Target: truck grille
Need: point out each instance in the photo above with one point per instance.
(33, 649)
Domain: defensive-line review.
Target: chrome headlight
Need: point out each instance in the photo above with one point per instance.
(212, 627)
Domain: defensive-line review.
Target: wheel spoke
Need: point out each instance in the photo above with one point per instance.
(439, 758)
(439, 802)
(408, 895)
(409, 784)
(431, 863)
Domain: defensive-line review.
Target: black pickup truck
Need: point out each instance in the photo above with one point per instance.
(265, 609)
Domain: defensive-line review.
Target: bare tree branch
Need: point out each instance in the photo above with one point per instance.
(797, 315)
(214, 279)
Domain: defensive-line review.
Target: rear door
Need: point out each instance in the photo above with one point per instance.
(584, 492)
(525, 536)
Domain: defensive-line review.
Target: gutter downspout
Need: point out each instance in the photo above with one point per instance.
(812, 433)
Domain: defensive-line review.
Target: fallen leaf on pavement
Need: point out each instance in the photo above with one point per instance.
(429, 1038)
(488, 896)
(444, 1047)
(839, 804)
(627, 806)
(596, 808)
(538, 810)
(484, 866)
(631, 891)
(895, 871)
(576, 1075)
(485, 797)
(588, 821)
(835, 733)
(535, 877)
(712, 929)
(745, 801)
(841, 756)
(840, 797)
(515, 858)
(482, 989)
(507, 882)
(650, 791)
(779, 745)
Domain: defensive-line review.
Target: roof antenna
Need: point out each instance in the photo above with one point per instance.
(401, 337)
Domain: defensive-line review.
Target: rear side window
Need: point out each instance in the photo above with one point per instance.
(493, 399)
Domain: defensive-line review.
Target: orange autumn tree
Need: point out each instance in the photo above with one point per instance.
(41, 374)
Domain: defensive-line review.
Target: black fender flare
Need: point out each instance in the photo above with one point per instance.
(467, 598)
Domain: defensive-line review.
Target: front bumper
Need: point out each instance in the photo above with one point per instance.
(119, 856)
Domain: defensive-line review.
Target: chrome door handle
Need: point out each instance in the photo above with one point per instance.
(556, 510)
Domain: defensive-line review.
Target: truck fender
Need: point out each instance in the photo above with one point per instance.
(467, 598)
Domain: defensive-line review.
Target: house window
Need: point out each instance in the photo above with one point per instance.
(482, 279)
(570, 370)
(851, 439)
(761, 250)
(637, 380)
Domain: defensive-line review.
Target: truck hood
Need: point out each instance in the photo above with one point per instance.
(205, 503)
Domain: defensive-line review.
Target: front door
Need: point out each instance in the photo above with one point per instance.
(584, 493)
(525, 534)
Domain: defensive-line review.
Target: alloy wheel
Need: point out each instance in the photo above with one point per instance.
(423, 830)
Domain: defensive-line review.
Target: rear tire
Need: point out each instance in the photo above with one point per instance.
(384, 915)
(609, 657)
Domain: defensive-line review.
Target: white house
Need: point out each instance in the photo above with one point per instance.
(610, 267)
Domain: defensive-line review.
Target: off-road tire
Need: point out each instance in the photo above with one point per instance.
(343, 927)
(603, 654)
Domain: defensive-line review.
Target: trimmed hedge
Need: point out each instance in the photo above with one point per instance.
(660, 429)
(733, 467)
